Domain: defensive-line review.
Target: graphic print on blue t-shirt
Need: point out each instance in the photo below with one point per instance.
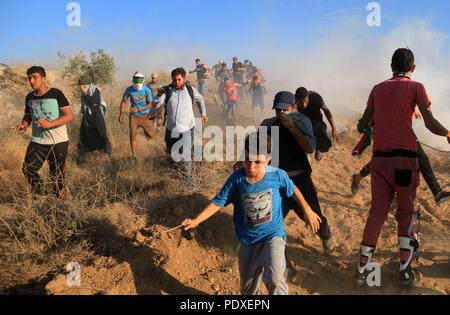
(258, 207)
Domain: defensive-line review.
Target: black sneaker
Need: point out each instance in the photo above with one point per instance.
(355, 186)
(329, 245)
(442, 197)
(409, 277)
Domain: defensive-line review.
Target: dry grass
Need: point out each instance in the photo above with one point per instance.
(40, 235)
(45, 232)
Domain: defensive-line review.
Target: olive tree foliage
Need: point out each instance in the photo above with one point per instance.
(100, 67)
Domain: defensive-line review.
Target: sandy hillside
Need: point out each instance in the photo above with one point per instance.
(114, 221)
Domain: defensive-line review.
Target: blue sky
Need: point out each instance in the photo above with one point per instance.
(36, 30)
(325, 45)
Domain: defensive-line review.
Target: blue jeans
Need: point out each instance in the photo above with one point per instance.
(186, 143)
(202, 86)
(229, 105)
(183, 141)
(257, 100)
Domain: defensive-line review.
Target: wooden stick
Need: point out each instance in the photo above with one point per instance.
(175, 228)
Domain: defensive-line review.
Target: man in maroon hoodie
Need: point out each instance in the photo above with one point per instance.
(394, 167)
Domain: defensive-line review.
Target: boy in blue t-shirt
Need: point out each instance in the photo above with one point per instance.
(258, 193)
(140, 98)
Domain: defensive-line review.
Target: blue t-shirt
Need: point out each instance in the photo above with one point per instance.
(138, 99)
(258, 208)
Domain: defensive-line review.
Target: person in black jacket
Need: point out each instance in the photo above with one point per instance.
(296, 139)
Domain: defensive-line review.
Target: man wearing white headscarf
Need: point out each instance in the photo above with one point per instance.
(93, 134)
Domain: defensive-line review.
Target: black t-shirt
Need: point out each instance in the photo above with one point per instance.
(291, 156)
(201, 72)
(52, 94)
(238, 74)
(313, 110)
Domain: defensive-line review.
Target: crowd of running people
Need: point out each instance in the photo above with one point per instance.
(262, 194)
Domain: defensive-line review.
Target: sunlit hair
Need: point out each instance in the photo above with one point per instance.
(178, 71)
(36, 69)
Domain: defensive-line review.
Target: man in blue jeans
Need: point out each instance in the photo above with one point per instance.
(178, 99)
(202, 71)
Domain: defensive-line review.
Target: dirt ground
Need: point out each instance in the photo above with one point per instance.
(130, 252)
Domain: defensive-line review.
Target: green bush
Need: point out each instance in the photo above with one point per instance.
(100, 67)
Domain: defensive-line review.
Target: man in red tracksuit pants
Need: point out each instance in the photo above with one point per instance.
(394, 167)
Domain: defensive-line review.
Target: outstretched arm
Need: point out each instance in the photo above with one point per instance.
(432, 123)
(208, 212)
(311, 218)
(25, 123)
(201, 104)
(330, 119)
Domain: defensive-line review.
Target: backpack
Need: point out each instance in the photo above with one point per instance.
(156, 111)
(168, 90)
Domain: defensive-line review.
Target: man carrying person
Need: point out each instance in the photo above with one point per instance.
(93, 133)
(310, 104)
(140, 98)
(216, 68)
(202, 71)
(255, 71)
(394, 167)
(48, 111)
(156, 112)
(296, 139)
